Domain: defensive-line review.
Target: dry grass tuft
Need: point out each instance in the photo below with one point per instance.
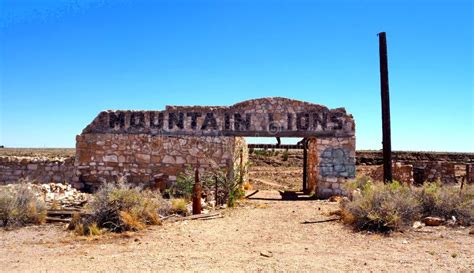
(131, 221)
(179, 206)
(20, 206)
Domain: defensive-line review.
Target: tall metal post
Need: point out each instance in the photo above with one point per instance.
(386, 138)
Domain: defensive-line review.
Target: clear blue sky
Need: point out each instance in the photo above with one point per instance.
(64, 61)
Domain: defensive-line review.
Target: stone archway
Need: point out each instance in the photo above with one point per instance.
(150, 145)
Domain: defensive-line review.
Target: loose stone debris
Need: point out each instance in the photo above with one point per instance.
(56, 195)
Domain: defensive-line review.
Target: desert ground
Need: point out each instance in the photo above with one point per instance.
(267, 232)
(264, 233)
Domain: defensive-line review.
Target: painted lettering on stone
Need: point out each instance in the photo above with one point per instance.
(176, 119)
(263, 117)
(303, 121)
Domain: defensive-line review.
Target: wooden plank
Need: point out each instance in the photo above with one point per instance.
(57, 220)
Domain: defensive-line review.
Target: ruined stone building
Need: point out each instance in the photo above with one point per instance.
(156, 146)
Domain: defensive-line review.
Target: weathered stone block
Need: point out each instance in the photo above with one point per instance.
(110, 158)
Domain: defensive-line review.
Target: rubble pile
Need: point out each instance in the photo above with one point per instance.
(57, 195)
(63, 194)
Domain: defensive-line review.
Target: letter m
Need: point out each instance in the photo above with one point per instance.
(116, 120)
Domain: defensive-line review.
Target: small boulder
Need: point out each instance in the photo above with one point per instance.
(335, 198)
(417, 225)
(433, 221)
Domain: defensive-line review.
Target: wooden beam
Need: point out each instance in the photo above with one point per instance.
(305, 165)
(384, 87)
(275, 146)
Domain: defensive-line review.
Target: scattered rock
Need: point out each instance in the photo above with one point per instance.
(335, 198)
(267, 254)
(417, 224)
(56, 195)
(433, 221)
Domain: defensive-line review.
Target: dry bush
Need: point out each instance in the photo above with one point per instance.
(393, 206)
(178, 206)
(119, 207)
(359, 183)
(20, 206)
(381, 207)
(447, 201)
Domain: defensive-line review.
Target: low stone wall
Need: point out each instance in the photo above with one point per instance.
(400, 172)
(410, 157)
(39, 169)
(433, 171)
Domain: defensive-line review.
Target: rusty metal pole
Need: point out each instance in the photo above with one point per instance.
(384, 87)
(216, 195)
(305, 165)
(197, 189)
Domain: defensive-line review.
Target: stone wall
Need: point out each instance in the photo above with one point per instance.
(410, 157)
(143, 158)
(333, 165)
(155, 146)
(241, 157)
(433, 171)
(402, 173)
(265, 117)
(470, 173)
(39, 169)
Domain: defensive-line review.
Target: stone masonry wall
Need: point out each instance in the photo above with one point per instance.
(41, 170)
(433, 171)
(267, 117)
(335, 164)
(402, 173)
(144, 158)
(155, 146)
(241, 151)
(470, 173)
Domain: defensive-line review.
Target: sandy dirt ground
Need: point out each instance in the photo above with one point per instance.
(263, 234)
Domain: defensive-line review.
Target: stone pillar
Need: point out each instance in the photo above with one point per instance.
(470, 173)
(334, 164)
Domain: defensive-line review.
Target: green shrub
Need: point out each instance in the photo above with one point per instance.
(284, 156)
(381, 207)
(183, 187)
(230, 186)
(19, 206)
(119, 207)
